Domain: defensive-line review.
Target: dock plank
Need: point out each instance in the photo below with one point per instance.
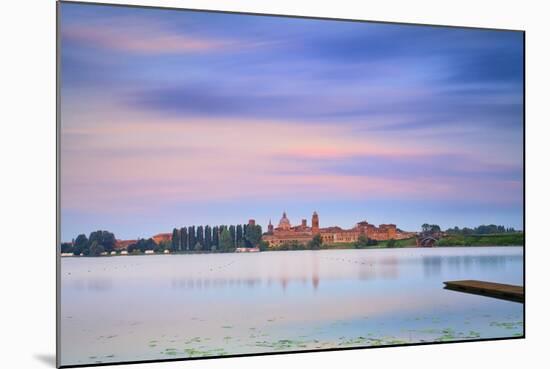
(490, 289)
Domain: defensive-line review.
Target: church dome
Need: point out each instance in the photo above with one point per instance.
(284, 223)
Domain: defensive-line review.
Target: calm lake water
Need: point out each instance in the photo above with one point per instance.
(150, 307)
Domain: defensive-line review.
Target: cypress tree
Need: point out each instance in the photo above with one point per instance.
(175, 239)
(191, 237)
(215, 236)
(200, 235)
(225, 240)
(246, 243)
(232, 233)
(239, 235)
(207, 237)
(184, 244)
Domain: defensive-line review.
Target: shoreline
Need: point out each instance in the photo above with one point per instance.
(321, 249)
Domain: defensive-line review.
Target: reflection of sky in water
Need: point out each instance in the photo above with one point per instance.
(116, 306)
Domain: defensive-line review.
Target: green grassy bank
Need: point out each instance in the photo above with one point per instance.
(503, 239)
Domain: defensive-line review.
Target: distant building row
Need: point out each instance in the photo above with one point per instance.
(303, 233)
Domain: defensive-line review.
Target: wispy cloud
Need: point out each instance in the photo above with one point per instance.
(203, 160)
(147, 37)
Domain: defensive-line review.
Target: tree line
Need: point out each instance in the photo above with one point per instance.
(482, 229)
(218, 238)
(430, 228)
(97, 243)
(193, 238)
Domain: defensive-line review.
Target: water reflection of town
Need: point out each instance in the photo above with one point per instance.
(93, 284)
(326, 268)
(433, 265)
(385, 268)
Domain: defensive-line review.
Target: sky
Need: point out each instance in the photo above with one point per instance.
(176, 118)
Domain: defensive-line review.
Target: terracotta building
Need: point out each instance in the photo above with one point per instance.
(123, 244)
(158, 238)
(284, 232)
(302, 233)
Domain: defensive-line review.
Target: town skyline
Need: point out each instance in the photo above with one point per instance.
(181, 118)
(294, 222)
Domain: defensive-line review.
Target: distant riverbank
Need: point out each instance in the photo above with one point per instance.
(504, 239)
(456, 240)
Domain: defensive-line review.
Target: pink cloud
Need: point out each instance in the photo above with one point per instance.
(149, 160)
(147, 39)
(352, 149)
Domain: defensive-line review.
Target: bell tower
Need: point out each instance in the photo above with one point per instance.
(315, 223)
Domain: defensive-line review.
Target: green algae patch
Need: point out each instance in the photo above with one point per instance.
(394, 341)
(192, 352)
(507, 325)
(282, 344)
(449, 334)
(193, 340)
(353, 341)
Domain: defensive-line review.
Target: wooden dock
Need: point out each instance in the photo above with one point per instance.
(498, 290)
